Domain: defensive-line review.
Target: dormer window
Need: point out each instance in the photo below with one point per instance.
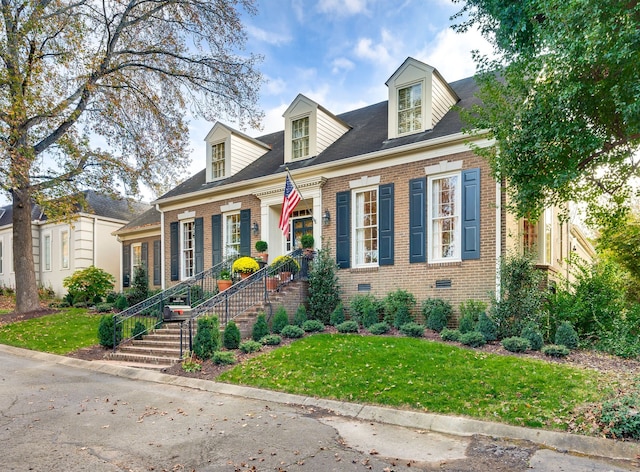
(300, 138)
(410, 109)
(217, 160)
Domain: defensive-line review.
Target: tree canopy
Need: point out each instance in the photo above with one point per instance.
(95, 94)
(562, 98)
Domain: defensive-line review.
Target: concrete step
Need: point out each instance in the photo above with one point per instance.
(137, 365)
(129, 358)
(150, 350)
(151, 341)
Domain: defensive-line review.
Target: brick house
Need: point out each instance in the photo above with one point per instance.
(393, 188)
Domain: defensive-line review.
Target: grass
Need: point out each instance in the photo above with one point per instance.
(427, 376)
(60, 333)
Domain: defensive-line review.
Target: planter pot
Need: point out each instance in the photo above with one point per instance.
(244, 275)
(272, 283)
(224, 284)
(285, 276)
(264, 256)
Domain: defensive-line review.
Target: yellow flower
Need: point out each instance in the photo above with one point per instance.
(245, 265)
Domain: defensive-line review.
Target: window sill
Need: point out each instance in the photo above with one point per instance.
(364, 269)
(455, 263)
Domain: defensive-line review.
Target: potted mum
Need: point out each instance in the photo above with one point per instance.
(224, 280)
(245, 266)
(286, 266)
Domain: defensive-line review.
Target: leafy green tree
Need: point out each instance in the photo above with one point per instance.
(560, 99)
(324, 291)
(89, 284)
(127, 72)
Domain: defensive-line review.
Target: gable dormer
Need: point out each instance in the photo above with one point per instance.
(229, 151)
(418, 98)
(309, 129)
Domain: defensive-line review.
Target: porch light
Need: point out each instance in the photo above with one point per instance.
(326, 218)
(255, 229)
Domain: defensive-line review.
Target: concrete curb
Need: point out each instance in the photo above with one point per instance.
(458, 426)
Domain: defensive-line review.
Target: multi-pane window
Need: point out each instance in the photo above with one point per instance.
(232, 234)
(529, 235)
(300, 137)
(410, 109)
(136, 257)
(46, 252)
(444, 218)
(188, 249)
(366, 227)
(64, 249)
(217, 161)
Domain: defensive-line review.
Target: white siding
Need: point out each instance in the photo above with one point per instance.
(328, 131)
(442, 100)
(243, 153)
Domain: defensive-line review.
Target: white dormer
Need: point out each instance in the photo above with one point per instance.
(309, 129)
(229, 151)
(418, 98)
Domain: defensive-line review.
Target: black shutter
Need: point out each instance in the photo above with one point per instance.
(174, 241)
(144, 255)
(471, 214)
(385, 225)
(157, 259)
(199, 245)
(418, 220)
(343, 229)
(126, 265)
(216, 239)
(245, 232)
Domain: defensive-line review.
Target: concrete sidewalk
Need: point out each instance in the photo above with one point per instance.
(451, 425)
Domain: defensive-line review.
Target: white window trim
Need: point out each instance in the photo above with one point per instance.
(546, 246)
(422, 107)
(308, 136)
(457, 257)
(354, 230)
(47, 236)
(183, 275)
(225, 159)
(62, 233)
(225, 245)
(133, 259)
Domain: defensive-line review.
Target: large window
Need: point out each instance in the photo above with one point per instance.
(300, 137)
(46, 252)
(366, 227)
(188, 249)
(217, 161)
(410, 109)
(444, 218)
(64, 249)
(136, 257)
(232, 234)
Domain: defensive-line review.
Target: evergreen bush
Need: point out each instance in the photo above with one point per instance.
(312, 326)
(280, 320)
(359, 304)
(260, 328)
(104, 307)
(437, 313)
(566, 335)
(379, 328)
(231, 335)
(224, 358)
(450, 334)
(292, 332)
(324, 290)
(395, 301)
(531, 333)
(139, 329)
(619, 417)
(403, 316)
(300, 317)
(555, 350)
(487, 327)
(271, 340)
(207, 338)
(105, 332)
(516, 344)
(473, 339)
(370, 316)
(337, 315)
(412, 329)
(250, 346)
(121, 302)
(467, 323)
(349, 326)
(139, 290)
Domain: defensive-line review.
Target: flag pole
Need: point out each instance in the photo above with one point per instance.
(300, 193)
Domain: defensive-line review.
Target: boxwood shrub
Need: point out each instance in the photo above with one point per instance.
(224, 358)
(271, 340)
(349, 326)
(450, 334)
(555, 350)
(379, 328)
(516, 344)
(250, 346)
(412, 329)
(313, 326)
(292, 332)
(473, 339)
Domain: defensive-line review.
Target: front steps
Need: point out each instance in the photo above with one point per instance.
(160, 349)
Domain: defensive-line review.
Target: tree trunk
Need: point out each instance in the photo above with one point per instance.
(23, 265)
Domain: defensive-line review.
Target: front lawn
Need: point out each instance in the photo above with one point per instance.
(60, 333)
(427, 376)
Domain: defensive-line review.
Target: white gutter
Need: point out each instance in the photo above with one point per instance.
(162, 246)
(498, 234)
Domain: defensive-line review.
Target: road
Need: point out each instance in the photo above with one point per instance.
(55, 417)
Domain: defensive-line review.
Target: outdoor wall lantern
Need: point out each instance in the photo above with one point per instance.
(326, 218)
(255, 229)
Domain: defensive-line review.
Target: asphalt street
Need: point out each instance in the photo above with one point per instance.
(56, 415)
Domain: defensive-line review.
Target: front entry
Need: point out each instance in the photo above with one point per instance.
(299, 226)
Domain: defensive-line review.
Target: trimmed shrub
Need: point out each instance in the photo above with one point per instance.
(370, 316)
(394, 301)
(516, 344)
(450, 334)
(402, 317)
(337, 315)
(566, 335)
(105, 331)
(412, 329)
(231, 336)
(260, 328)
(207, 338)
(324, 289)
(467, 323)
(555, 350)
(280, 320)
(121, 302)
(619, 417)
(349, 326)
(531, 333)
(473, 339)
(437, 313)
(359, 304)
(473, 308)
(250, 346)
(312, 326)
(292, 332)
(379, 328)
(139, 329)
(224, 358)
(104, 307)
(301, 316)
(271, 340)
(139, 290)
(89, 283)
(487, 327)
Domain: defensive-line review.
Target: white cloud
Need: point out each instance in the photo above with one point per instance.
(340, 64)
(268, 37)
(273, 121)
(343, 7)
(274, 86)
(383, 54)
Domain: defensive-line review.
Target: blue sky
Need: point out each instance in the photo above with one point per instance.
(340, 53)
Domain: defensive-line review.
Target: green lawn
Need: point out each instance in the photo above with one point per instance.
(426, 376)
(60, 333)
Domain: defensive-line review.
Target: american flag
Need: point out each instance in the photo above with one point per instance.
(289, 202)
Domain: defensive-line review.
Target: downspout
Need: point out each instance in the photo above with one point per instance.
(162, 251)
(95, 241)
(498, 234)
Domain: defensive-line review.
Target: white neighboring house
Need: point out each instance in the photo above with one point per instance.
(59, 249)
